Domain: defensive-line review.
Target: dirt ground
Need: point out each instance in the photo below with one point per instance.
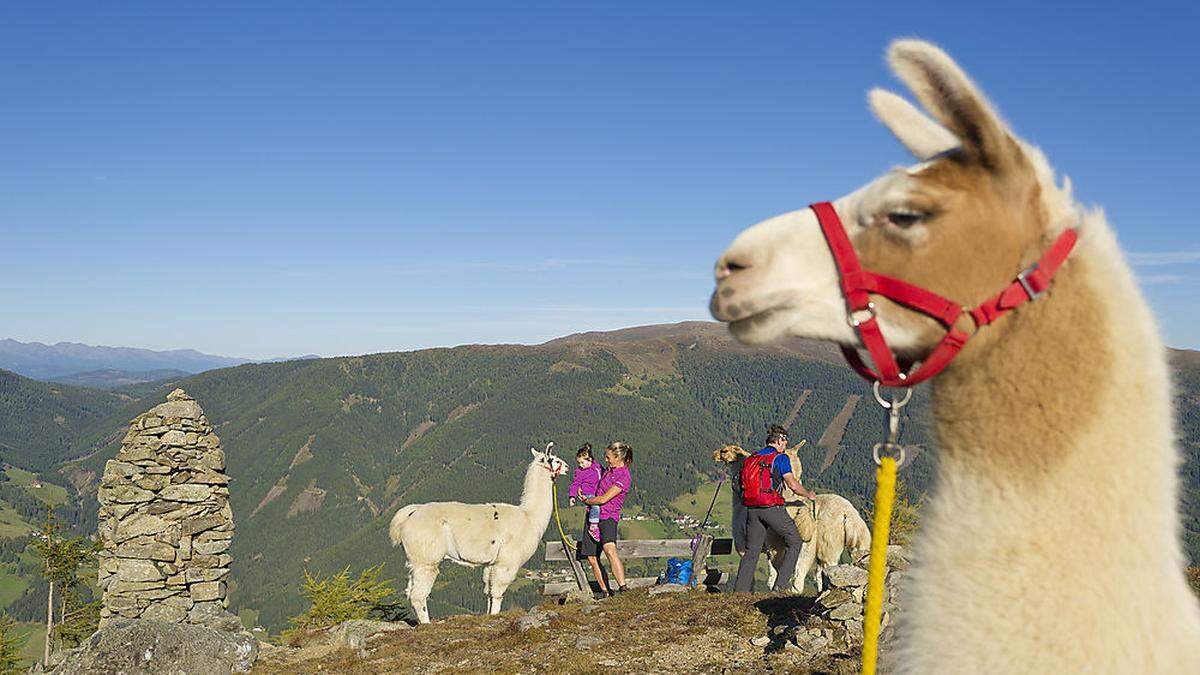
(635, 632)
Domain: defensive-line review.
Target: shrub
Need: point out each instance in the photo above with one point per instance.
(337, 598)
(10, 646)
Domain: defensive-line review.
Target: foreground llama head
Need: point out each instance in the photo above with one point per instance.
(974, 211)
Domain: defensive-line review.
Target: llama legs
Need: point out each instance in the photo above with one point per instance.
(808, 555)
(420, 583)
(497, 580)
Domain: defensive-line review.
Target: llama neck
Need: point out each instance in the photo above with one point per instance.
(536, 499)
(1056, 473)
(1011, 410)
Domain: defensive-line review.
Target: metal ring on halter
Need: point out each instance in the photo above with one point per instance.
(893, 403)
(855, 322)
(896, 450)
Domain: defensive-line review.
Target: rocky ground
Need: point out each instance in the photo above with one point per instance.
(636, 632)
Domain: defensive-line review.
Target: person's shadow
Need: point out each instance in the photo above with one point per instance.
(787, 611)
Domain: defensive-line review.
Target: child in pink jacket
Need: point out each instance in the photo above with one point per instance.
(584, 481)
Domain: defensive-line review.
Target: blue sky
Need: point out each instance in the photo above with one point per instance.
(339, 178)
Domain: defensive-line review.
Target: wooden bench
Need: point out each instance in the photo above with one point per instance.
(643, 548)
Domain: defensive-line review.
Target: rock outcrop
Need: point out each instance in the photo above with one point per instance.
(165, 521)
(835, 624)
(145, 647)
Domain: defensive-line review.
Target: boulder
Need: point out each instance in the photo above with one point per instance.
(536, 617)
(834, 597)
(144, 647)
(850, 610)
(355, 633)
(845, 576)
(897, 557)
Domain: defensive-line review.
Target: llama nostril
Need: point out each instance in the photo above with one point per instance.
(727, 268)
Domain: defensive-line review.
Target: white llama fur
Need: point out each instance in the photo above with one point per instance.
(837, 527)
(499, 537)
(1063, 558)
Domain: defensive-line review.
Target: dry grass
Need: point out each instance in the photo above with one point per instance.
(676, 633)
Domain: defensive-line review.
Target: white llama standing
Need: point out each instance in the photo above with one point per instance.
(1051, 540)
(499, 537)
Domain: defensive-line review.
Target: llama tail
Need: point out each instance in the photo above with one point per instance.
(858, 535)
(396, 529)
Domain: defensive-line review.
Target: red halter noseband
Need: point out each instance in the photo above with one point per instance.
(858, 284)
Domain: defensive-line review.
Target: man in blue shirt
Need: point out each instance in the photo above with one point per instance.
(759, 519)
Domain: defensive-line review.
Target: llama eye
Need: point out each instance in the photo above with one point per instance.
(904, 219)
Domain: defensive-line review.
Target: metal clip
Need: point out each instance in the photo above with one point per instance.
(896, 449)
(1023, 279)
(892, 444)
(893, 425)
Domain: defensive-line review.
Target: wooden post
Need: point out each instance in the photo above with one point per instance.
(576, 567)
(703, 546)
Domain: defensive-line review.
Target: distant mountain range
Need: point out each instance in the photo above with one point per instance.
(75, 363)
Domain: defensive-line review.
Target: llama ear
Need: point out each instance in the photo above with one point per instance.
(950, 96)
(923, 137)
(535, 453)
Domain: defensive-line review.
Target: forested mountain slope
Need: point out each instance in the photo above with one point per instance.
(322, 452)
(39, 422)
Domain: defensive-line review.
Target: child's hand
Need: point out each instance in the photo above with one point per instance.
(571, 501)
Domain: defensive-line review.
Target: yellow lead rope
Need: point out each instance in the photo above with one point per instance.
(561, 532)
(885, 494)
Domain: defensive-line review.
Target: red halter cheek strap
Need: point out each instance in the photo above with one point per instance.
(858, 285)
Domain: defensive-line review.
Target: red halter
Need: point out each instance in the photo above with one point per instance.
(858, 284)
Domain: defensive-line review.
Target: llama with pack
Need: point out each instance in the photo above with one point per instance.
(764, 475)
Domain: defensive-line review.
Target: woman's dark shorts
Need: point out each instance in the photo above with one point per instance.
(608, 531)
(588, 547)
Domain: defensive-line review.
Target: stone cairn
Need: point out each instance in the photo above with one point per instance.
(834, 624)
(165, 521)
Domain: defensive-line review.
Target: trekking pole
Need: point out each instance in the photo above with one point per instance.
(716, 493)
(698, 537)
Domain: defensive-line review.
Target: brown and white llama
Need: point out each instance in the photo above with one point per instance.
(498, 537)
(1051, 542)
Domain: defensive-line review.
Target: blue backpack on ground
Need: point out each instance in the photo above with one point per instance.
(679, 571)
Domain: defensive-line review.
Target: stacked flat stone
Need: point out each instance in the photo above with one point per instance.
(165, 520)
(835, 624)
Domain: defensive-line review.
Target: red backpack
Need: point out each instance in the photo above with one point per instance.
(756, 481)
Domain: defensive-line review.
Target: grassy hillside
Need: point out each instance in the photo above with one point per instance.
(323, 451)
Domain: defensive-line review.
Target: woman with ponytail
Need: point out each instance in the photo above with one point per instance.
(614, 486)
